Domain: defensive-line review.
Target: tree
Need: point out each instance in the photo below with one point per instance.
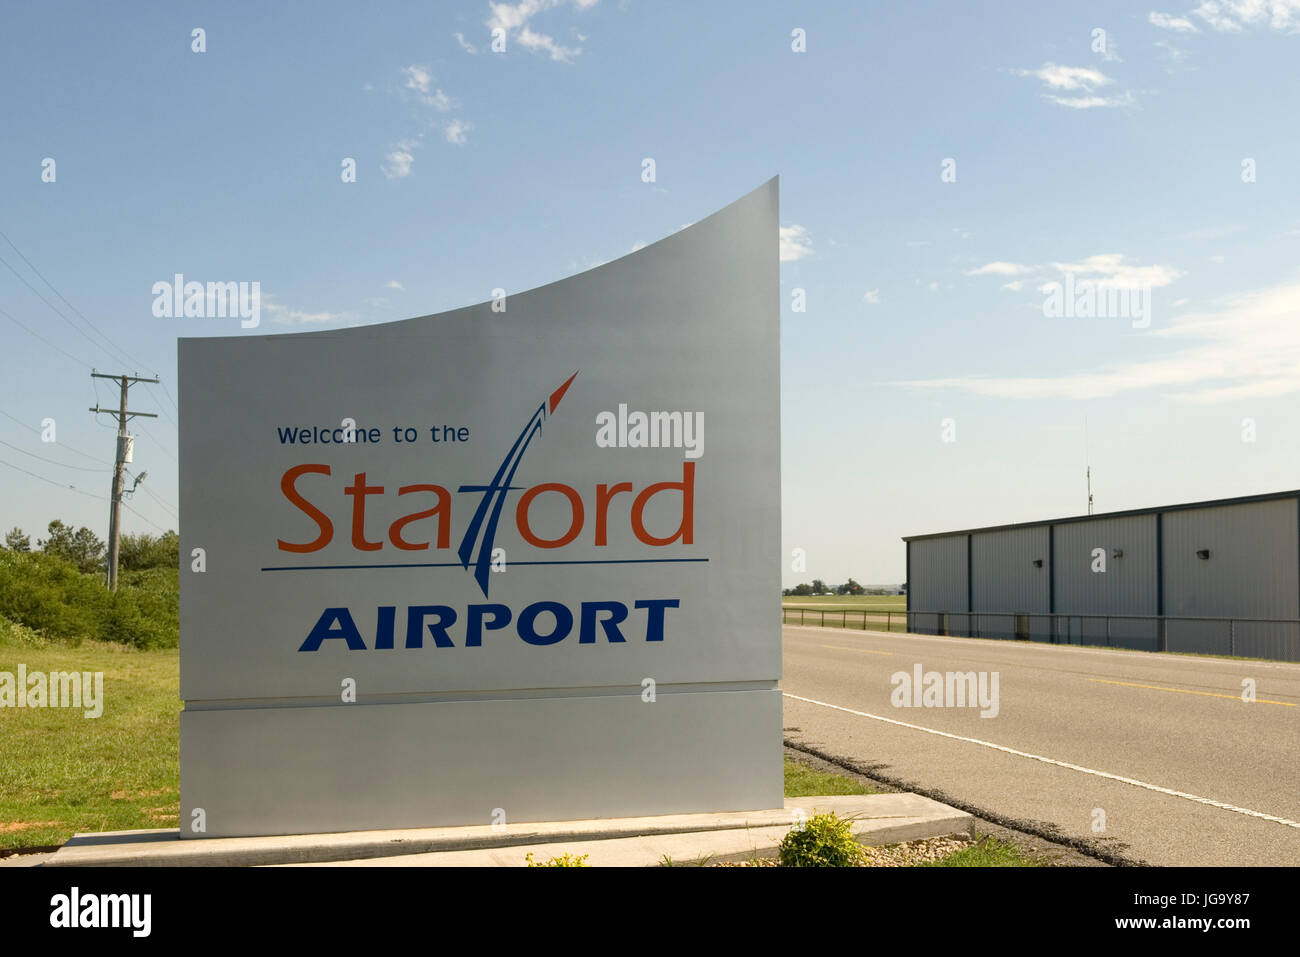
(149, 551)
(18, 540)
(802, 590)
(819, 587)
(82, 547)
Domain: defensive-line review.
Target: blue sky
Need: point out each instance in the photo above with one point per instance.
(1125, 162)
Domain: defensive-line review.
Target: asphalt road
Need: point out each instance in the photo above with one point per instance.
(1160, 750)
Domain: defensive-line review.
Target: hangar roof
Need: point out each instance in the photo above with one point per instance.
(1130, 513)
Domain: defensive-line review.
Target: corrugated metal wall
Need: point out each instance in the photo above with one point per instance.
(937, 582)
(1126, 587)
(1005, 579)
(1251, 572)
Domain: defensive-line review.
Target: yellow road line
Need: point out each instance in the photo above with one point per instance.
(1208, 694)
(865, 651)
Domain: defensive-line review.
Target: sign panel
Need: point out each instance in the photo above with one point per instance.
(513, 562)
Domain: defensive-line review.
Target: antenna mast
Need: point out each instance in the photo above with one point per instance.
(1086, 457)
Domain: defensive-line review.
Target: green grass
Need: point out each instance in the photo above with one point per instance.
(803, 781)
(61, 772)
(986, 852)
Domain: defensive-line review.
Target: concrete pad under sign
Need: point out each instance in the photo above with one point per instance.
(641, 841)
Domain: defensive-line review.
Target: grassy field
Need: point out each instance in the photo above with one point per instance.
(864, 612)
(61, 772)
(882, 602)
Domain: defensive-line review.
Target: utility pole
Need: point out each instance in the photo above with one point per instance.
(123, 456)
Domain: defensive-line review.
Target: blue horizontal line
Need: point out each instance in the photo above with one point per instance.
(594, 561)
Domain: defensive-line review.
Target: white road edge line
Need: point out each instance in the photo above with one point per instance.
(1060, 764)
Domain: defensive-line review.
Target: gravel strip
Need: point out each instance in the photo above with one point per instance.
(907, 854)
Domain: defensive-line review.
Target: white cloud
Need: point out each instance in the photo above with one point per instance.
(1228, 16)
(1001, 269)
(639, 244)
(514, 19)
(420, 80)
(1089, 102)
(1110, 269)
(284, 315)
(1249, 347)
(1174, 56)
(1015, 286)
(795, 243)
(1209, 12)
(394, 284)
(1068, 77)
(417, 78)
(531, 40)
(1166, 22)
(465, 44)
(872, 296)
(398, 162)
(1080, 79)
(455, 132)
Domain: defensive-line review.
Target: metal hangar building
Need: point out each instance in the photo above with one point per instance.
(1218, 577)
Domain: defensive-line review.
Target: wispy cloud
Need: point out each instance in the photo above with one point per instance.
(286, 316)
(394, 284)
(1001, 269)
(872, 296)
(1089, 102)
(1248, 347)
(1166, 22)
(514, 19)
(456, 132)
(420, 80)
(398, 161)
(1233, 16)
(1111, 269)
(465, 44)
(1068, 77)
(1076, 79)
(795, 243)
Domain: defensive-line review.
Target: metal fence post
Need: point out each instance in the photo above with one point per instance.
(1232, 636)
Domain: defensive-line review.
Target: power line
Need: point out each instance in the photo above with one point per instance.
(80, 362)
(121, 352)
(63, 445)
(138, 515)
(168, 393)
(79, 468)
(144, 488)
(57, 312)
(70, 488)
(164, 448)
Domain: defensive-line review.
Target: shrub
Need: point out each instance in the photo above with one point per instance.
(825, 840)
(49, 595)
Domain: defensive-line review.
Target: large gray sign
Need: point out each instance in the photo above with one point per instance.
(514, 562)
